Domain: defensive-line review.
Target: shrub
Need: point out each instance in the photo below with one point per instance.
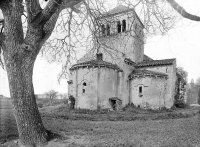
(180, 104)
(65, 101)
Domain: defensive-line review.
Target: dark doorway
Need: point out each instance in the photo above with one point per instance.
(119, 27)
(72, 102)
(123, 25)
(113, 104)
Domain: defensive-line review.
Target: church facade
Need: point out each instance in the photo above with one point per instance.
(116, 72)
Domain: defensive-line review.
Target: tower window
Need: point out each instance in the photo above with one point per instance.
(84, 84)
(119, 27)
(124, 25)
(103, 29)
(108, 29)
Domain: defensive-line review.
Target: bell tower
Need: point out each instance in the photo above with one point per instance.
(121, 35)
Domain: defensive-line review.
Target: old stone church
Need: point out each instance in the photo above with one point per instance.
(116, 72)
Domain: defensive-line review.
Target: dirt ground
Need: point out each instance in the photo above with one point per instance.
(182, 132)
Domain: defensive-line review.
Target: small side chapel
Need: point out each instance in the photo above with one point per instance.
(116, 72)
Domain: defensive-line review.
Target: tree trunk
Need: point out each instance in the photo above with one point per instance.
(19, 68)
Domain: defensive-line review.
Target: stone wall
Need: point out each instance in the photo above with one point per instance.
(85, 95)
(108, 86)
(92, 87)
(148, 92)
(170, 70)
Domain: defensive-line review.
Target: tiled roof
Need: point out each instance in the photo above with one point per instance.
(118, 9)
(129, 61)
(136, 73)
(155, 63)
(147, 58)
(95, 63)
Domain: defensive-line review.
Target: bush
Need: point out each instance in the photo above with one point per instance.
(65, 101)
(180, 104)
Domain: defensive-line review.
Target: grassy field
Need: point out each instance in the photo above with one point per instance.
(81, 128)
(8, 129)
(157, 133)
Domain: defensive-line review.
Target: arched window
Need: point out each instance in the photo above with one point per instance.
(124, 25)
(103, 29)
(119, 27)
(108, 29)
(84, 87)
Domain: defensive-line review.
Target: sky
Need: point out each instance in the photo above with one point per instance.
(182, 43)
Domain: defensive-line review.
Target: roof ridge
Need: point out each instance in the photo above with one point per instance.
(159, 60)
(143, 72)
(156, 62)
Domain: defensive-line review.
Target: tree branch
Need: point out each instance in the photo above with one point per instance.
(51, 8)
(33, 8)
(182, 11)
(49, 25)
(2, 37)
(45, 15)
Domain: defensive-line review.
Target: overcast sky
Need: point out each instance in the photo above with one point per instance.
(182, 43)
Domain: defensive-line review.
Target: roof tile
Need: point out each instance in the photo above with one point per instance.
(155, 63)
(118, 9)
(146, 72)
(95, 63)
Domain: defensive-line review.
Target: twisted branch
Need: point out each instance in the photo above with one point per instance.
(182, 11)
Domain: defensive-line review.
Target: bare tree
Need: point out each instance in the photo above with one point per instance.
(51, 95)
(20, 45)
(20, 48)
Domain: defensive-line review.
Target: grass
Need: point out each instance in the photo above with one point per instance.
(129, 113)
(108, 128)
(8, 129)
(171, 132)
